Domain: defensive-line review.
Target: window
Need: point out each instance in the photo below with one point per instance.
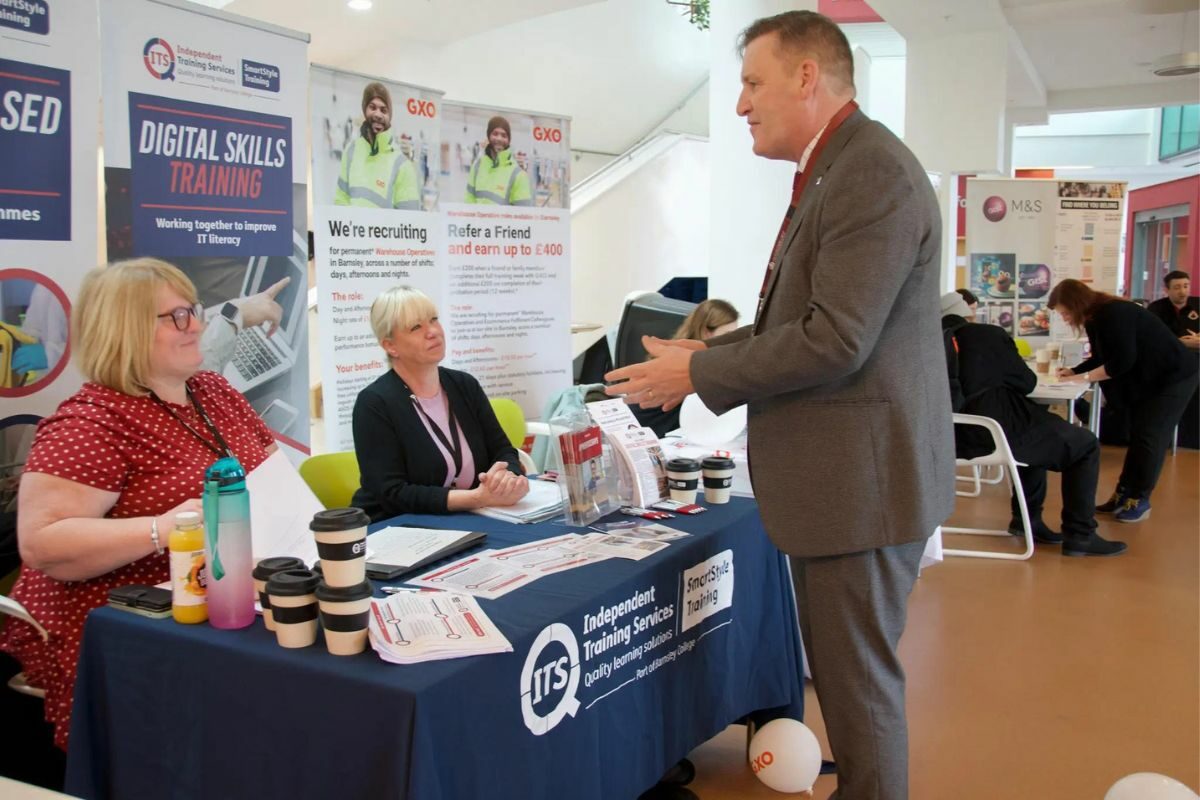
(1180, 131)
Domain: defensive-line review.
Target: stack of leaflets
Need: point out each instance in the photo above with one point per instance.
(640, 459)
(396, 551)
(411, 627)
(543, 502)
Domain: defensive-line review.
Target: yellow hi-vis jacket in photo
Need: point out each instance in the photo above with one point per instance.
(385, 179)
(505, 184)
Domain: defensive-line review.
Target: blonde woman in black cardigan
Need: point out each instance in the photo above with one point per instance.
(426, 437)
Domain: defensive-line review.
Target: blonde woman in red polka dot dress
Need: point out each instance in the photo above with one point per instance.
(118, 459)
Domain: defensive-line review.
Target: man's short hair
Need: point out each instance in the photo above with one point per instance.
(807, 34)
(1176, 275)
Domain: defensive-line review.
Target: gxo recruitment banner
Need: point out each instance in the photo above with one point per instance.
(48, 133)
(505, 188)
(375, 160)
(204, 167)
(1026, 235)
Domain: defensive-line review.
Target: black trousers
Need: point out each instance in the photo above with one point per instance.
(1152, 422)
(1058, 445)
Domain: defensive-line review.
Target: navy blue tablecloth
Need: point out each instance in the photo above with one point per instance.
(169, 710)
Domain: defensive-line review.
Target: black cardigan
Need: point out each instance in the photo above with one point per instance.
(1140, 354)
(402, 468)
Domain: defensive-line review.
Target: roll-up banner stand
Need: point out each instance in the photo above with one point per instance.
(204, 143)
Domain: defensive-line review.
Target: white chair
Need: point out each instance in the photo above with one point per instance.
(17, 682)
(1001, 456)
(977, 479)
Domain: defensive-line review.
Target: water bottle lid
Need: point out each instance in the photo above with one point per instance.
(227, 473)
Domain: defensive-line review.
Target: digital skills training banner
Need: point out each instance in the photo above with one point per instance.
(49, 96)
(505, 198)
(1026, 235)
(375, 157)
(204, 133)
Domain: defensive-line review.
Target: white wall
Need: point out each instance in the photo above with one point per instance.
(649, 228)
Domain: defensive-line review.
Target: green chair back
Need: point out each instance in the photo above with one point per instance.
(1023, 347)
(512, 420)
(333, 477)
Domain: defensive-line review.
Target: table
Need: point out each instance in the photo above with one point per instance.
(1048, 393)
(163, 709)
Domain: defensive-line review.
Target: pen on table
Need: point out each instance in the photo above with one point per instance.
(399, 589)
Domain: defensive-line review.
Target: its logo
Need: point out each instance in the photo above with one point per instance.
(421, 108)
(994, 208)
(765, 759)
(359, 547)
(159, 59)
(551, 671)
(547, 134)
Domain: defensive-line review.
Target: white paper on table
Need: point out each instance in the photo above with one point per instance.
(403, 547)
(614, 545)
(544, 497)
(651, 532)
(547, 556)
(477, 575)
(281, 507)
(410, 628)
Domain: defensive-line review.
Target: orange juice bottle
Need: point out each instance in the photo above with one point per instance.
(189, 603)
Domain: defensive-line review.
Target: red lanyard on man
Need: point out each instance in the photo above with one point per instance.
(798, 184)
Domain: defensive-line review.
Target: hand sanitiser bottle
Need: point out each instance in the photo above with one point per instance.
(227, 545)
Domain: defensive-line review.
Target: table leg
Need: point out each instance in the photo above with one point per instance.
(1094, 416)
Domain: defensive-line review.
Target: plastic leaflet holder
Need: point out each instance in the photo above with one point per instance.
(587, 474)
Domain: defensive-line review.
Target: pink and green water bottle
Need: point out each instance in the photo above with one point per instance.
(227, 545)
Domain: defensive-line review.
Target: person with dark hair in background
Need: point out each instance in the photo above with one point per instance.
(374, 172)
(844, 378)
(994, 382)
(1180, 310)
(496, 178)
(1144, 368)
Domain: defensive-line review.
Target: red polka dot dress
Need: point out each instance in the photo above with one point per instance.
(118, 443)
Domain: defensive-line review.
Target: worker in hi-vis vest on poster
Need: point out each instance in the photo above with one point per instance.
(495, 177)
(374, 172)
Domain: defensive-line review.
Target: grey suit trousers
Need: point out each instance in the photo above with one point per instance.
(852, 611)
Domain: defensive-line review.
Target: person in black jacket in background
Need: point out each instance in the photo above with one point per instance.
(1142, 366)
(423, 432)
(988, 378)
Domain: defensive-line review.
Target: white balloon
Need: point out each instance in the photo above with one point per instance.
(1149, 786)
(701, 426)
(786, 756)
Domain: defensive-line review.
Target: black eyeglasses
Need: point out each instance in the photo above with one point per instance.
(182, 316)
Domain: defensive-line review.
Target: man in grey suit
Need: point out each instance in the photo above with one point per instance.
(851, 440)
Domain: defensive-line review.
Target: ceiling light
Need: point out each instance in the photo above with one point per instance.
(359, 5)
(1177, 64)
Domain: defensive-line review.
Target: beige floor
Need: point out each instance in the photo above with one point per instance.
(1050, 678)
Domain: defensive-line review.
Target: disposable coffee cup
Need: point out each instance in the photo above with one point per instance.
(1055, 349)
(1043, 361)
(341, 535)
(344, 611)
(294, 606)
(683, 478)
(262, 573)
(718, 478)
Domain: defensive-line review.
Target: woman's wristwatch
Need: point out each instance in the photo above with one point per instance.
(234, 314)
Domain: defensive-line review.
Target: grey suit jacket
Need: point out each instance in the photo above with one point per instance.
(851, 440)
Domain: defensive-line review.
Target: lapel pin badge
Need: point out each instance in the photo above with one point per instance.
(819, 180)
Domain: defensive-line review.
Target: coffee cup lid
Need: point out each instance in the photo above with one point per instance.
(344, 594)
(683, 465)
(717, 462)
(292, 583)
(269, 566)
(339, 519)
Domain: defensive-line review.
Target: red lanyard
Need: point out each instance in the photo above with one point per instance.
(798, 185)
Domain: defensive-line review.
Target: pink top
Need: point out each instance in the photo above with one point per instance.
(118, 443)
(437, 408)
